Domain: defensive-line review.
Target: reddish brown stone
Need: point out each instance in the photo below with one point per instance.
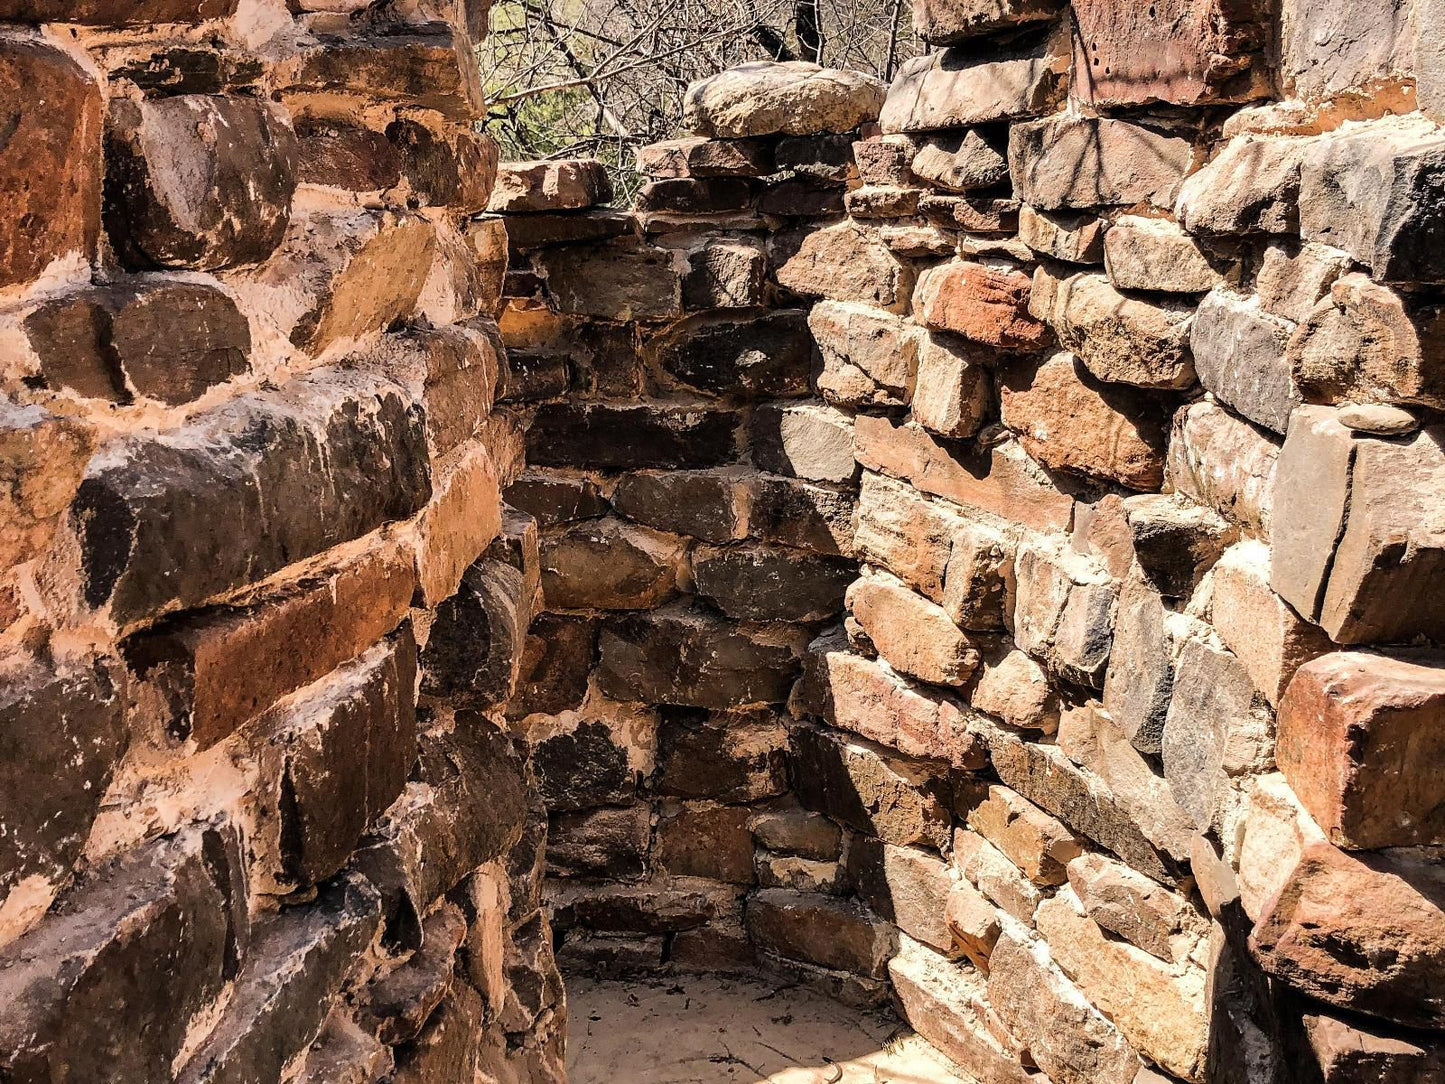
(219, 669)
(50, 160)
(980, 303)
(432, 70)
(1361, 738)
(115, 12)
(1176, 51)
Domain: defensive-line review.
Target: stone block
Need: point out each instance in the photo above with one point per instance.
(724, 275)
(159, 339)
(1067, 419)
(1223, 463)
(940, 23)
(793, 831)
(50, 166)
(1073, 238)
(1218, 55)
(961, 163)
(619, 436)
(557, 658)
(1000, 479)
(729, 757)
(588, 766)
(1071, 161)
(1252, 185)
(701, 839)
(822, 930)
(1162, 1013)
(696, 195)
(242, 490)
(748, 356)
(981, 303)
(1066, 1036)
(992, 873)
(863, 697)
(973, 214)
(901, 530)
(219, 669)
(567, 185)
(905, 885)
(473, 655)
(611, 844)
(1131, 906)
(697, 156)
(1156, 254)
(1352, 1052)
(197, 181)
(110, 14)
(954, 392)
(771, 583)
(433, 68)
(621, 280)
(898, 800)
(1016, 689)
(792, 512)
(915, 636)
(1265, 633)
(1364, 343)
(1356, 741)
(1375, 192)
(710, 505)
(788, 98)
(1239, 354)
(161, 926)
(1122, 339)
(609, 564)
(685, 657)
(845, 262)
(1064, 611)
(869, 356)
(1032, 840)
(43, 459)
(63, 738)
(964, 86)
(1356, 530)
(808, 440)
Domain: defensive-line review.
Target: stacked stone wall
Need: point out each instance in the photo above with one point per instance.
(260, 600)
(1123, 761)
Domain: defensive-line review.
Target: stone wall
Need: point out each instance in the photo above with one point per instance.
(1124, 761)
(251, 503)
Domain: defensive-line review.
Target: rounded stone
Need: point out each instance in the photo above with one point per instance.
(1379, 418)
(789, 98)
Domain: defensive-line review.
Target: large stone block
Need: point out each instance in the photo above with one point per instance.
(609, 564)
(791, 98)
(1067, 419)
(1223, 463)
(1177, 52)
(679, 656)
(240, 491)
(811, 516)
(804, 440)
(981, 303)
(844, 262)
(473, 655)
(944, 22)
(763, 356)
(1357, 737)
(1357, 536)
(569, 185)
(158, 338)
(1239, 354)
(905, 885)
(162, 926)
(730, 757)
(345, 746)
(434, 70)
(1001, 479)
(1038, 844)
(112, 13)
(1251, 186)
(915, 636)
(1377, 193)
(771, 583)
(697, 156)
(1070, 161)
(894, 798)
(606, 844)
(960, 87)
(295, 968)
(700, 839)
(585, 767)
(198, 181)
(217, 670)
(1351, 1052)
(1142, 912)
(50, 165)
(1064, 610)
(62, 736)
(1156, 254)
(621, 281)
(869, 356)
(630, 437)
(822, 930)
(1121, 338)
(1332, 50)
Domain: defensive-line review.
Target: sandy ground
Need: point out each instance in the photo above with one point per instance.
(705, 1030)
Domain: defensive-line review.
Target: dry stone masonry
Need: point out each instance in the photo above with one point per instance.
(992, 534)
(973, 545)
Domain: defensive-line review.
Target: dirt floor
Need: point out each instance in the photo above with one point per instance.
(705, 1030)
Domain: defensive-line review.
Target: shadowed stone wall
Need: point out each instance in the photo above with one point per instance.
(250, 478)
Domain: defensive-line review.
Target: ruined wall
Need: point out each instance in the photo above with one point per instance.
(250, 477)
(1128, 749)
